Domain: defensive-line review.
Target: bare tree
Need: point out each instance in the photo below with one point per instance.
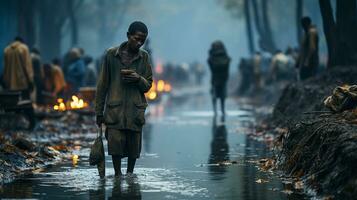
(26, 21)
(248, 23)
(299, 13)
(340, 34)
(52, 18)
(263, 27)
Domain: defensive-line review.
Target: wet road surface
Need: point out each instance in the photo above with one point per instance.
(182, 146)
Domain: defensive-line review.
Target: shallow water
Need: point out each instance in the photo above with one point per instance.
(182, 144)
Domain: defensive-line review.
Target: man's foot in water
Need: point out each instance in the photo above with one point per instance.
(130, 175)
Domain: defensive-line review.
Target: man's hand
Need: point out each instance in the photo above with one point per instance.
(99, 120)
(133, 77)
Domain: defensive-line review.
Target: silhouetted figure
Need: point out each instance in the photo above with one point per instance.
(257, 70)
(18, 71)
(125, 77)
(246, 71)
(218, 61)
(37, 74)
(309, 50)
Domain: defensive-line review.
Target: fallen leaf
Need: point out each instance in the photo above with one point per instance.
(261, 181)
(299, 185)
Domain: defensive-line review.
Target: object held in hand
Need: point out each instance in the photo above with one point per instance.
(126, 71)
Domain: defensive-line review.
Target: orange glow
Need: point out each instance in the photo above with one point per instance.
(75, 103)
(167, 87)
(152, 95)
(75, 159)
(160, 86)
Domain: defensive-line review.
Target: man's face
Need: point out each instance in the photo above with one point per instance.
(135, 41)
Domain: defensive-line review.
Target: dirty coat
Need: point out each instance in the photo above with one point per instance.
(219, 65)
(16, 59)
(123, 105)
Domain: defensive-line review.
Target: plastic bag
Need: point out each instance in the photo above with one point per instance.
(96, 155)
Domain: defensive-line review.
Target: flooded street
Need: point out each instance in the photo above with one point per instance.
(183, 154)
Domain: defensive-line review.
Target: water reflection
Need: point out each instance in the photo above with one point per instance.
(251, 190)
(130, 190)
(121, 189)
(219, 150)
(147, 135)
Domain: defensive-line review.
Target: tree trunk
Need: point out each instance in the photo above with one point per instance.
(26, 22)
(52, 18)
(266, 41)
(257, 17)
(299, 13)
(249, 27)
(329, 26)
(271, 47)
(73, 23)
(340, 35)
(346, 13)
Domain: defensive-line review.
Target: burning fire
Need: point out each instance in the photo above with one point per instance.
(158, 87)
(75, 159)
(75, 103)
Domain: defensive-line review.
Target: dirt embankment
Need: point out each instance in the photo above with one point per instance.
(319, 146)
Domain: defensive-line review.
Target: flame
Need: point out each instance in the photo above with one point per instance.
(152, 95)
(75, 159)
(75, 103)
(160, 86)
(157, 88)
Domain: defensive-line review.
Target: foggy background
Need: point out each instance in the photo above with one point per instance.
(179, 30)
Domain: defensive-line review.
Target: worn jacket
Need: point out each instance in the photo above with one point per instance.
(123, 105)
(219, 65)
(17, 65)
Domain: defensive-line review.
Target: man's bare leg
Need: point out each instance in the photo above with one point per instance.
(131, 165)
(117, 165)
(214, 102)
(223, 109)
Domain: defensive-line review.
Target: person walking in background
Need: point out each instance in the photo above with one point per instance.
(125, 76)
(218, 62)
(18, 71)
(308, 60)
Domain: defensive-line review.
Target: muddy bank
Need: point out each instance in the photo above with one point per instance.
(52, 142)
(316, 145)
(301, 100)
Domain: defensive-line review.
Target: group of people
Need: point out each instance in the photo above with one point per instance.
(44, 82)
(294, 64)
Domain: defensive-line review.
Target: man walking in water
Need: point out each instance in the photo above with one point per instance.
(125, 76)
(219, 65)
